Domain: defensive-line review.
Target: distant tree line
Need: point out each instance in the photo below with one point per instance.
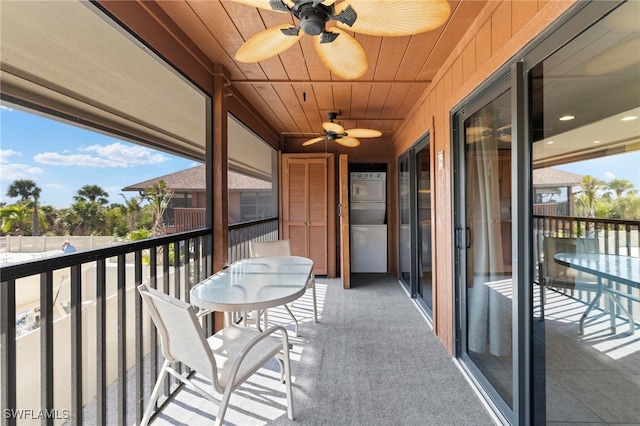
(616, 199)
(89, 214)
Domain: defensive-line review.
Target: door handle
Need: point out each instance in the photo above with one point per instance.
(468, 237)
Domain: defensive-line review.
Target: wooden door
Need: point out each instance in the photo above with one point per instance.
(343, 213)
(307, 210)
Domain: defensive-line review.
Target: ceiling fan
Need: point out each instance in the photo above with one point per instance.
(335, 132)
(340, 51)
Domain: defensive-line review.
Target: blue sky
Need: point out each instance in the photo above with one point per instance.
(620, 166)
(62, 158)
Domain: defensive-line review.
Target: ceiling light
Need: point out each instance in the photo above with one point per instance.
(596, 141)
(550, 143)
(567, 117)
(629, 118)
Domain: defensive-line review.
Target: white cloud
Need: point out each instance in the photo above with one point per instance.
(11, 172)
(112, 155)
(129, 154)
(56, 159)
(609, 176)
(6, 153)
(53, 185)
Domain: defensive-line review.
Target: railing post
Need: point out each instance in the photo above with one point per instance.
(122, 340)
(101, 343)
(76, 345)
(139, 338)
(46, 342)
(8, 350)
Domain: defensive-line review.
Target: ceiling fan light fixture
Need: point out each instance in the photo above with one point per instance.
(312, 19)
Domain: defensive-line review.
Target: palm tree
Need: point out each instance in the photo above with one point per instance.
(15, 218)
(588, 199)
(620, 186)
(92, 194)
(29, 194)
(159, 197)
(91, 215)
(131, 208)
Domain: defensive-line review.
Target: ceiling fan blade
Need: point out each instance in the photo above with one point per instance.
(312, 141)
(267, 44)
(364, 133)
(348, 141)
(392, 17)
(344, 56)
(332, 127)
(276, 6)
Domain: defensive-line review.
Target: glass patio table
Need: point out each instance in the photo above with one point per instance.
(253, 284)
(612, 268)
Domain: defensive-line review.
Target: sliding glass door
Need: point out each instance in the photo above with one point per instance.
(483, 238)
(414, 189)
(585, 158)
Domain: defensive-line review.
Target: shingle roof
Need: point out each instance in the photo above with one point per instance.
(550, 177)
(194, 180)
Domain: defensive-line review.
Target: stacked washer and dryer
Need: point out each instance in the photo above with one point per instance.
(368, 217)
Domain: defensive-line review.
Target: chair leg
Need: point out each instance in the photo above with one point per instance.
(287, 373)
(155, 394)
(315, 304)
(295, 320)
(224, 403)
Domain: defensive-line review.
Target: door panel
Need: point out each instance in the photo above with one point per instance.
(343, 213)
(307, 202)
(483, 222)
(297, 194)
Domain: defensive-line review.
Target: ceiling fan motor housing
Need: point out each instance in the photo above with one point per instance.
(312, 17)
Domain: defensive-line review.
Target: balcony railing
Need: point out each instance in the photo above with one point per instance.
(614, 236)
(72, 329)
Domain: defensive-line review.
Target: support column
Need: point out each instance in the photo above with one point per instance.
(220, 167)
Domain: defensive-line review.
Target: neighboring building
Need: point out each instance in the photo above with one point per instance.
(553, 192)
(250, 198)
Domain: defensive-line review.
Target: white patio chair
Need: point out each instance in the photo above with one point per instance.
(227, 359)
(283, 248)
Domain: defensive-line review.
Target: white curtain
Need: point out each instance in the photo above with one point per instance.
(489, 308)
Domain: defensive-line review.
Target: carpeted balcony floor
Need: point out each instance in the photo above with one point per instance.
(371, 359)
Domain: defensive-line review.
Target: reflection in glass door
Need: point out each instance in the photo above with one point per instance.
(404, 192)
(585, 179)
(423, 207)
(484, 272)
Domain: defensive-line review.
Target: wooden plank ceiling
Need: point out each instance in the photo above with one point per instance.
(294, 91)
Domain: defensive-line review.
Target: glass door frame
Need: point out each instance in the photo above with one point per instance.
(508, 79)
(411, 157)
(515, 75)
